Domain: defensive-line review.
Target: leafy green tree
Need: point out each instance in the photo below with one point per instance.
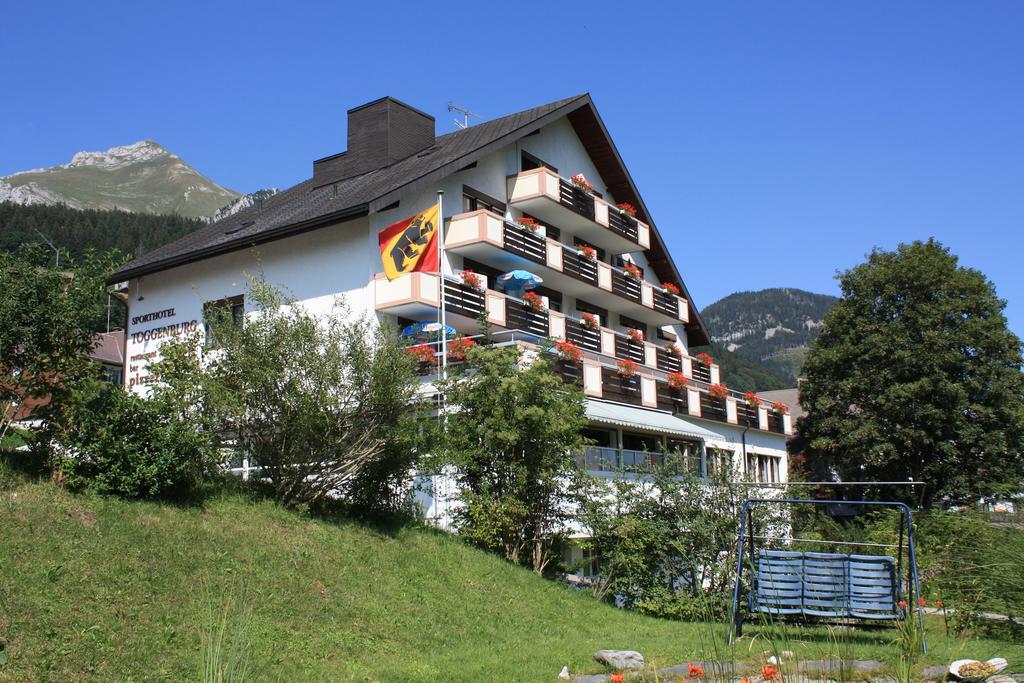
(46, 322)
(314, 400)
(915, 375)
(510, 432)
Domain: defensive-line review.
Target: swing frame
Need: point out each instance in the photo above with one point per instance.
(906, 527)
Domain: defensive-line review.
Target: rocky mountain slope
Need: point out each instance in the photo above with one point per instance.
(772, 327)
(143, 177)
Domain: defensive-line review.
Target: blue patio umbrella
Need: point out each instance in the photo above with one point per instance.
(517, 282)
(427, 332)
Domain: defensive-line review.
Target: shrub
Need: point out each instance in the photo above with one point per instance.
(116, 442)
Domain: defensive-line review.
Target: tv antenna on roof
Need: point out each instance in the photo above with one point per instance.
(464, 123)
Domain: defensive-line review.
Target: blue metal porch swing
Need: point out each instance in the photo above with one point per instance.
(830, 586)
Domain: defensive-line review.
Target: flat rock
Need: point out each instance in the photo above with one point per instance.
(837, 665)
(620, 659)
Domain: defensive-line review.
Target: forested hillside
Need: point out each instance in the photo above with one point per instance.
(77, 230)
(772, 327)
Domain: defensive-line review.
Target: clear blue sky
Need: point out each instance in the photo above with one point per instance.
(774, 142)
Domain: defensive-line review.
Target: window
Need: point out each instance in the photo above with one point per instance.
(474, 200)
(768, 469)
(667, 335)
(591, 567)
(585, 307)
(718, 461)
(530, 162)
(112, 373)
(554, 297)
(632, 324)
(230, 309)
(688, 452)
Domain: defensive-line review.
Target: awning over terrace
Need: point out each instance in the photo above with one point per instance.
(619, 415)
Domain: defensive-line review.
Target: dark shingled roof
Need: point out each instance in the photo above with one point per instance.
(308, 206)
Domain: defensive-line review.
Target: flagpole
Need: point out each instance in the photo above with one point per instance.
(440, 273)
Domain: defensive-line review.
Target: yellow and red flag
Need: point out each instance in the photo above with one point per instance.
(410, 245)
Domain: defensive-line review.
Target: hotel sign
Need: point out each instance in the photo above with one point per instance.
(136, 374)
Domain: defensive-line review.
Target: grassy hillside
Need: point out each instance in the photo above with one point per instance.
(96, 588)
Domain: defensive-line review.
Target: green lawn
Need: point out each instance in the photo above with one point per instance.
(99, 588)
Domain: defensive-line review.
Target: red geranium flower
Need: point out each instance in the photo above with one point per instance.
(901, 603)
(671, 288)
(533, 301)
(589, 321)
(627, 369)
(617, 678)
(632, 271)
(938, 603)
(705, 359)
(581, 182)
(627, 209)
(752, 399)
(718, 390)
(922, 602)
(696, 670)
(678, 381)
(528, 223)
(770, 673)
(673, 350)
(471, 279)
(421, 353)
(568, 351)
(588, 252)
(635, 335)
(458, 348)
(780, 407)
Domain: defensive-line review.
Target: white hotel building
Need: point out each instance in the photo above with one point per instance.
(318, 240)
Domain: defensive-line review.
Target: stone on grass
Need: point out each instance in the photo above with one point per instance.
(563, 675)
(620, 659)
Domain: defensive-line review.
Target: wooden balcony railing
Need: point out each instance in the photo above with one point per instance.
(746, 416)
(623, 224)
(463, 300)
(576, 199)
(578, 267)
(519, 316)
(627, 287)
(525, 243)
(713, 408)
(701, 372)
(668, 362)
(665, 302)
(589, 340)
(615, 388)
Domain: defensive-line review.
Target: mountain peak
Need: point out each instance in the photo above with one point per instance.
(116, 157)
(143, 177)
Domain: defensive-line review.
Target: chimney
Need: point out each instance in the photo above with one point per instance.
(379, 134)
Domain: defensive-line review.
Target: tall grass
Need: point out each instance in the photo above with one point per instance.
(226, 641)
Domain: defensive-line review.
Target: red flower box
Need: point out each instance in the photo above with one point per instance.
(673, 350)
(588, 252)
(627, 209)
(635, 336)
(458, 348)
(589, 321)
(705, 359)
(752, 399)
(627, 369)
(671, 288)
(718, 391)
(780, 407)
(632, 271)
(579, 181)
(568, 351)
(533, 301)
(471, 279)
(677, 381)
(528, 224)
(422, 354)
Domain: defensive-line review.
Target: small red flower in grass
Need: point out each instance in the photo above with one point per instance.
(617, 678)
(922, 602)
(902, 603)
(938, 603)
(696, 670)
(770, 673)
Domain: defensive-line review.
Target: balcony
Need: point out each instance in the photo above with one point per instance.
(485, 237)
(609, 459)
(542, 193)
